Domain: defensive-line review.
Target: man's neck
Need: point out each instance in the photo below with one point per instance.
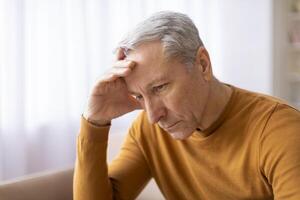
(217, 100)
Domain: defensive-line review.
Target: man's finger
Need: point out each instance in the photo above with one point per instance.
(120, 54)
(124, 63)
(114, 73)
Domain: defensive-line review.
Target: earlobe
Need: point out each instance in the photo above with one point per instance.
(206, 71)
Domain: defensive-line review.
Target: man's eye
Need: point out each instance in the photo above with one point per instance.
(160, 88)
(138, 97)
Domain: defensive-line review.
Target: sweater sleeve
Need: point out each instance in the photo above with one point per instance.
(124, 178)
(280, 153)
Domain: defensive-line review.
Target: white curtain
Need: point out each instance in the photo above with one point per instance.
(51, 52)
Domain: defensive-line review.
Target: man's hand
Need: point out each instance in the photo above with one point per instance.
(109, 97)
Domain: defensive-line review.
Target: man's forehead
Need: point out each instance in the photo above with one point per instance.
(145, 77)
(151, 66)
(150, 51)
(148, 58)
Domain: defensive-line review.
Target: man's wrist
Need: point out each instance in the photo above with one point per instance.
(99, 123)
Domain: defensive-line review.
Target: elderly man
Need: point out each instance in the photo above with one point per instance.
(197, 137)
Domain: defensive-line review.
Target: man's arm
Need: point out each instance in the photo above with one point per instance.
(129, 172)
(90, 174)
(108, 100)
(93, 179)
(280, 153)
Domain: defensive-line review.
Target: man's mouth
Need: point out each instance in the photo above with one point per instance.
(168, 128)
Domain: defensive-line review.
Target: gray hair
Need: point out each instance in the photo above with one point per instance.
(176, 31)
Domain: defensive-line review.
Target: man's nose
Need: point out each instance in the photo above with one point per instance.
(155, 110)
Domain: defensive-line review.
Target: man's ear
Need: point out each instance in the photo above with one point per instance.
(203, 63)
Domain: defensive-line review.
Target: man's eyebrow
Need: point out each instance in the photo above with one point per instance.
(155, 81)
(150, 85)
(132, 93)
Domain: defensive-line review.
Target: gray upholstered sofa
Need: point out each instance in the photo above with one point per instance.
(46, 186)
(55, 185)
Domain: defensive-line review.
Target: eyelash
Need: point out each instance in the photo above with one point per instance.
(159, 88)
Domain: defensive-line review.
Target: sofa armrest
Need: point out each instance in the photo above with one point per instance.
(46, 186)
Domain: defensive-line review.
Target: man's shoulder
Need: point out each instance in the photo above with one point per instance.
(257, 96)
(270, 110)
(255, 108)
(260, 102)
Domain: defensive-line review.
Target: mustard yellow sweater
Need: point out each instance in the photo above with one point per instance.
(251, 152)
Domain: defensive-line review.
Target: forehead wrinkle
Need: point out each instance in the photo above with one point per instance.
(150, 59)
